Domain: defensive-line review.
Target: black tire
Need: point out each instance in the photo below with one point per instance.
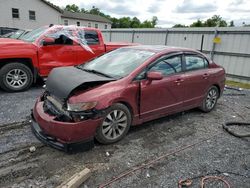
(23, 71)
(210, 101)
(123, 112)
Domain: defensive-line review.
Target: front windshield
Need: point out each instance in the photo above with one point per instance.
(33, 35)
(118, 63)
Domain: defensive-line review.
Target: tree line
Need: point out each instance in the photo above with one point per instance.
(128, 22)
(124, 22)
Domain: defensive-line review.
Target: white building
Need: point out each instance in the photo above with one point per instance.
(31, 14)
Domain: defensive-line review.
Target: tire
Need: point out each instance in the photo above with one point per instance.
(210, 101)
(15, 77)
(112, 131)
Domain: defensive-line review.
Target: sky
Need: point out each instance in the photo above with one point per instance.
(169, 12)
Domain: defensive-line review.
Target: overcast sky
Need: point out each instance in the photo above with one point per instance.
(169, 12)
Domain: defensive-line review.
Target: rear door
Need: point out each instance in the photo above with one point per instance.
(94, 47)
(196, 79)
(161, 97)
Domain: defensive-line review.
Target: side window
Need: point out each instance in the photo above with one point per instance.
(63, 40)
(91, 37)
(195, 62)
(168, 66)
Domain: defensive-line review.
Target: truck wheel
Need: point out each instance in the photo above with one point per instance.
(15, 77)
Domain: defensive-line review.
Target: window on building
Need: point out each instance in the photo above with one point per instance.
(78, 23)
(32, 15)
(96, 26)
(15, 13)
(106, 26)
(66, 22)
(89, 24)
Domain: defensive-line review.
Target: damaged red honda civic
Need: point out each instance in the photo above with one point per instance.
(101, 99)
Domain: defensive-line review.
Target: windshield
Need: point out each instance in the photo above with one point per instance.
(118, 63)
(33, 35)
(16, 34)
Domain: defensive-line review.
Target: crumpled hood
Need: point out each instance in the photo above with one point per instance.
(62, 81)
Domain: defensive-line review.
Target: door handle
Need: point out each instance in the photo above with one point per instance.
(205, 76)
(179, 81)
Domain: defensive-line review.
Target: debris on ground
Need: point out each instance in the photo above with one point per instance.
(32, 149)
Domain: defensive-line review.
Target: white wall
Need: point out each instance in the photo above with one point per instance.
(44, 14)
(84, 23)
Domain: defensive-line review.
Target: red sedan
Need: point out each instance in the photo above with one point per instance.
(101, 99)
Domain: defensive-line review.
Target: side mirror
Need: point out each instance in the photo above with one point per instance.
(154, 76)
(48, 41)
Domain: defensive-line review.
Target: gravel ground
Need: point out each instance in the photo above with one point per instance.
(222, 154)
(15, 107)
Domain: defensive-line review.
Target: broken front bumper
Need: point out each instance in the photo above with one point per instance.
(63, 135)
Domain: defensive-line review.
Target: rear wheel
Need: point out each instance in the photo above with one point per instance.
(115, 125)
(210, 100)
(15, 77)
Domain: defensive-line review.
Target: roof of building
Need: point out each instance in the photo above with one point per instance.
(84, 16)
(53, 6)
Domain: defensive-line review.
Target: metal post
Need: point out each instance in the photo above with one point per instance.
(110, 36)
(133, 36)
(202, 41)
(166, 38)
(213, 46)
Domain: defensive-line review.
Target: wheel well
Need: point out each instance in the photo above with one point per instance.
(217, 86)
(24, 61)
(128, 106)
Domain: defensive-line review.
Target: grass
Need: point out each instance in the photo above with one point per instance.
(237, 84)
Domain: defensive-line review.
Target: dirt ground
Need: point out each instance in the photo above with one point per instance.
(215, 152)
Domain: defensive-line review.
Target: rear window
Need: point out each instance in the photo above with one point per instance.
(91, 37)
(194, 62)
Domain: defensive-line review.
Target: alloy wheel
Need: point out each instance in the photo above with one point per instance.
(114, 124)
(211, 98)
(16, 78)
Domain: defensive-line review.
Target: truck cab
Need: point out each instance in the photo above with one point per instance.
(39, 51)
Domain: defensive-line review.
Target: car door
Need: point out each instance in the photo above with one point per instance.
(60, 53)
(94, 47)
(165, 96)
(196, 79)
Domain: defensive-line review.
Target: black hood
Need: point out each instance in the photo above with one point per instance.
(62, 81)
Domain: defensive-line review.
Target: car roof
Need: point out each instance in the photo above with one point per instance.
(162, 48)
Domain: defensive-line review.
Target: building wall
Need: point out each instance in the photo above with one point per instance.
(233, 52)
(85, 23)
(44, 14)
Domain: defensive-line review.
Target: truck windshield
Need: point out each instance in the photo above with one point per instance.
(118, 63)
(33, 35)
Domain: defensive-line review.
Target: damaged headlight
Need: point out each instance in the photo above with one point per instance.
(79, 107)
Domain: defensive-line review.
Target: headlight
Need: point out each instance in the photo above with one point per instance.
(78, 107)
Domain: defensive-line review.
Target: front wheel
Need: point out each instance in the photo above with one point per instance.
(115, 125)
(15, 77)
(210, 100)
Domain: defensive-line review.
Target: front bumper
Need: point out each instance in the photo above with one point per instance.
(64, 136)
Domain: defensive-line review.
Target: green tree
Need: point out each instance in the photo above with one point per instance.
(179, 25)
(231, 24)
(135, 23)
(154, 21)
(216, 20)
(198, 23)
(72, 8)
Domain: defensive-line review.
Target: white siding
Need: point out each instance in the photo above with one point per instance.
(45, 14)
(84, 23)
